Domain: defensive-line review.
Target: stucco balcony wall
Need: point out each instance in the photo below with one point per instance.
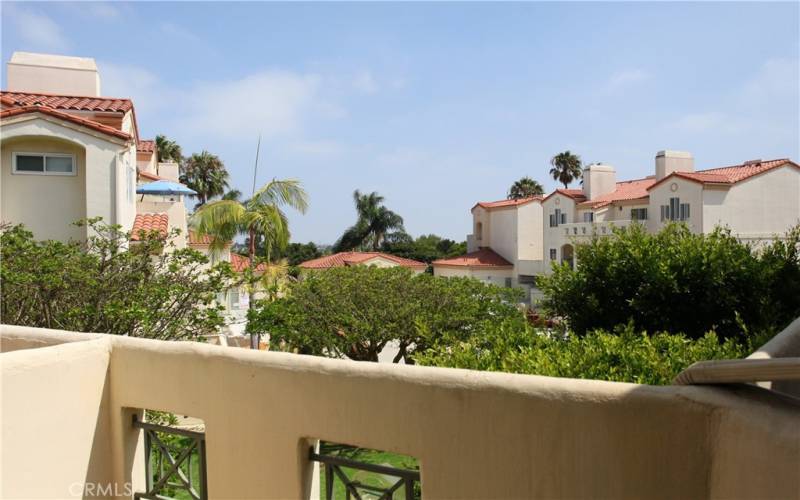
(476, 434)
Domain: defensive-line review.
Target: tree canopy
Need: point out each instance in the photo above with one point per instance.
(205, 173)
(105, 285)
(372, 226)
(678, 282)
(525, 188)
(168, 150)
(355, 311)
(425, 248)
(566, 168)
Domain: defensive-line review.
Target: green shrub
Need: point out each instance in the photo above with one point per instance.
(107, 285)
(623, 355)
(677, 281)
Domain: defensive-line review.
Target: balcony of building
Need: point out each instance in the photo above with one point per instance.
(586, 230)
(73, 405)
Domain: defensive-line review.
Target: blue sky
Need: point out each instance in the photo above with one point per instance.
(437, 106)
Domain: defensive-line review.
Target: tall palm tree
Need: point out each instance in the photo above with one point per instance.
(373, 223)
(566, 167)
(205, 173)
(168, 150)
(261, 217)
(525, 188)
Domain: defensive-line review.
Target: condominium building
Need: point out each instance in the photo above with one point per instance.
(68, 152)
(515, 240)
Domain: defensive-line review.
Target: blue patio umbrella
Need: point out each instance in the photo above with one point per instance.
(164, 188)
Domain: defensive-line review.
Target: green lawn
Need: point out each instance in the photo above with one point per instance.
(364, 477)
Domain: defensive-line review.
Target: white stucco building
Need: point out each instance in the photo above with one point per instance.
(515, 240)
(68, 153)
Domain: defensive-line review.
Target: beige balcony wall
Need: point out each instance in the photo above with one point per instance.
(476, 434)
(55, 420)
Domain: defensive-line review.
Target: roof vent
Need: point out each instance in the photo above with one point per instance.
(753, 162)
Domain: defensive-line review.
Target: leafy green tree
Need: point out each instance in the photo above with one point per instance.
(677, 281)
(374, 222)
(297, 253)
(101, 285)
(623, 355)
(425, 248)
(525, 188)
(205, 173)
(167, 150)
(355, 311)
(566, 168)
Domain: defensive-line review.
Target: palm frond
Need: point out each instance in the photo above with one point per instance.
(286, 192)
(222, 220)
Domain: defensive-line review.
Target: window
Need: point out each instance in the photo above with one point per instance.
(675, 210)
(479, 231)
(588, 217)
(638, 214)
(552, 254)
(233, 298)
(43, 163)
(563, 218)
(508, 282)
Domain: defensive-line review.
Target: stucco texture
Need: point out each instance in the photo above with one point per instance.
(477, 434)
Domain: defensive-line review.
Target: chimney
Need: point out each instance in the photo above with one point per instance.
(599, 179)
(52, 74)
(673, 161)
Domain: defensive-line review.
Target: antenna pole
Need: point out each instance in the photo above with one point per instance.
(255, 169)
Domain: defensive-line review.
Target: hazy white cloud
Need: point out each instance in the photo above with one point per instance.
(708, 122)
(134, 82)
(363, 81)
(100, 10)
(626, 78)
(35, 29)
(777, 81)
(318, 148)
(764, 104)
(178, 32)
(269, 102)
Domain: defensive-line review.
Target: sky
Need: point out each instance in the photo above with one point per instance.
(436, 105)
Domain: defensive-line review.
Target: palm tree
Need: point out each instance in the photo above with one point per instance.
(261, 216)
(206, 174)
(525, 188)
(566, 167)
(373, 224)
(168, 150)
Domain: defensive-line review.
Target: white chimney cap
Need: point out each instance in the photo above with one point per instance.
(674, 154)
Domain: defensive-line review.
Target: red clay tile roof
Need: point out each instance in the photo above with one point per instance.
(575, 194)
(239, 263)
(149, 176)
(75, 103)
(484, 257)
(144, 223)
(731, 174)
(202, 241)
(625, 190)
(21, 110)
(145, 146)
(507, 203)
(351, 258)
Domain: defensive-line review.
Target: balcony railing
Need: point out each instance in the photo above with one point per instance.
(589, 229)
(175, 461)
(474, 434)
(405, 480)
